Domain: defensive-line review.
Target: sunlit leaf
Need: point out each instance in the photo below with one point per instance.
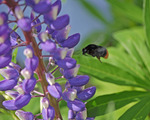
(99, 104)
(139, 111)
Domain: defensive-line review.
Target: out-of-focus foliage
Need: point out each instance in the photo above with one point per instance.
(128, 63)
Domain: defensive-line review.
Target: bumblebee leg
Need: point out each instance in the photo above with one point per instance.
(99, 59)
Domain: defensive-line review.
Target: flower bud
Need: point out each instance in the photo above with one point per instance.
(7, 84)
(55, 90)
(79, 89)
(18, 12)
(70, 94)
(60, 22)
(22, 100)
(87, 93)
(29, 84)
(48, 113)
(22, 115)
(82, 115)
(9, 73)
(70, 73)
(50, 78)
(72, 41)
(76, 105)
(26, 73)
(45, 102)
(32, 63)
(43, 36)
(66, 63)
(79, 80)
(28, 52)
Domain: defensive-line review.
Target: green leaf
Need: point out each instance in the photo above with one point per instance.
(129, 10)
(139, 111)
(107, 72)
(147, 19)
(33, 106)
(92, 9)
(133, 40)
(99, 104)
(14, 55)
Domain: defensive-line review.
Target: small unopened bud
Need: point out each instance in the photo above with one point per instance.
(24, 115)
(28, 53)
(50, 78)
(82, 115)
(26, 73)
(12, 94)
(18, 12)
(45, 102)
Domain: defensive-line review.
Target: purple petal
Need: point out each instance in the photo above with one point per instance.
(69, 95)
(49, 30)
(60, 22)
(32, 63)
(24, 24)
(60, 53)
(48, 46)
(67, 63)
(30, 2)
(9, 104)
(12, 94)
(79, 89)
(55, 90)
(48, 113)
(70, 73)
(79, 80)
(5, 59)
(70, 52)
(92, 118)
(72, 41)
(87, 93)
(22, 100)
(3, 17)
(29, 84)
(71, 114)
(45, 102)
(43, 6)
(61, 35)
(3, 29)
(9, 73)
(5, 47)
(24, 115)
(82, 115)
(58, 4)
(7, 84)
(76, 105)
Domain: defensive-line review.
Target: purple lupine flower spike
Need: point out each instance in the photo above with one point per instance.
(45, 35)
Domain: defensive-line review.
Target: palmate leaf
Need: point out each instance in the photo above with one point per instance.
(129, 10)
(139, 111)
(99, 104)
(147, 19)
(133, 40)
(108, 72)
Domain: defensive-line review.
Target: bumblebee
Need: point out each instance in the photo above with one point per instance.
(95, 51)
